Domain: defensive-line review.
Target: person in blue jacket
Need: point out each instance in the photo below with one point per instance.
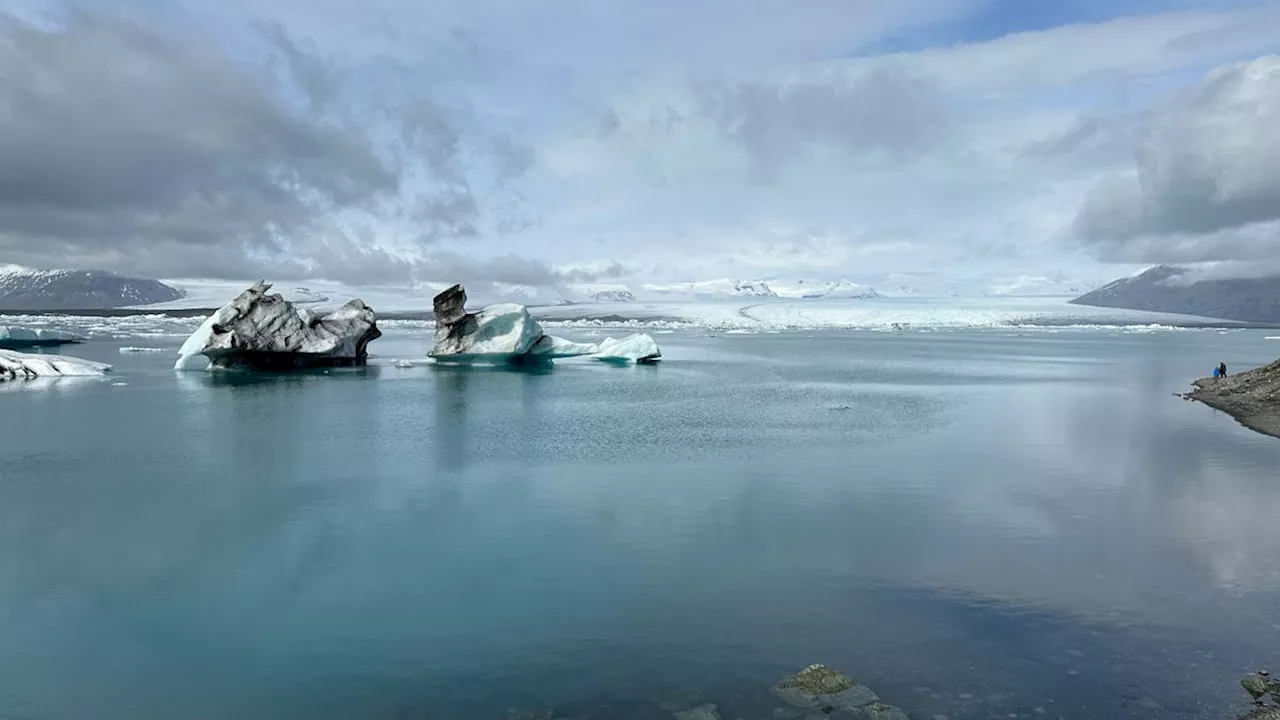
(1217, 373)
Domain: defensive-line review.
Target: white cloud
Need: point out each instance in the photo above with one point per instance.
(683, 139)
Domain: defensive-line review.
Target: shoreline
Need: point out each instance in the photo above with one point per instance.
(1252, 398)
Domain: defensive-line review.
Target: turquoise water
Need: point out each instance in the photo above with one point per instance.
(975, 524)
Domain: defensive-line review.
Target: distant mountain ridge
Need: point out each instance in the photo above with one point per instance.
(78, 290)
(1158, 289)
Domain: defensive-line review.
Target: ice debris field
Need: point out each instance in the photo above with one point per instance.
(875, 314)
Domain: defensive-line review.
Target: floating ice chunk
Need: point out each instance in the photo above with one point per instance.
(550, 347)
(403, 364)
(266, 332)
(498, 332)
(13, 337)
(633, 348)
(131, 349)
(189, 355)
(20, 366)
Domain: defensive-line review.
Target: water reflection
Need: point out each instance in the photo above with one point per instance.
(453, 542)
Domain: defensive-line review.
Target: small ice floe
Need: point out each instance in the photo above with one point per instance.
(20, 366)
(132, 349)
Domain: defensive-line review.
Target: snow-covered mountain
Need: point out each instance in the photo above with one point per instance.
(821, 289)
(709, 289)
(1036, 286)
(23, 289)
(613, 296)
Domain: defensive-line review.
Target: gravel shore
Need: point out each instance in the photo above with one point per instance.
(1252, 398)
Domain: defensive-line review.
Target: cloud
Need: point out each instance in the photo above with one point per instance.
(885, 111)
(148, 150)
(1206, 184)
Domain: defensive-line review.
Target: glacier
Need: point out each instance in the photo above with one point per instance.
(21, 366)
(13, 337)
(266, 332)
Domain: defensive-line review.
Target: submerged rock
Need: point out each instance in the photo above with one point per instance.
(266, 332)
(23, 366)
(880, 711)
(702, 712)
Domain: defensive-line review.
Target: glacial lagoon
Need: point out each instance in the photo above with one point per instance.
(976, 523)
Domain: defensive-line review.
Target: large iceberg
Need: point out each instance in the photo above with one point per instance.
(633, 348)
(12, 337)
(22, 366)
(498, 333)
(266, 332)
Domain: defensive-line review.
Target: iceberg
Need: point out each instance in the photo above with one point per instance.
(633, 348)
(266, 332)
(504, 330)
(22, 366)
(498, 333)
(551, 347)
(12, 337)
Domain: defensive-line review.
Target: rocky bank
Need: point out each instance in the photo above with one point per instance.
(1252, 398)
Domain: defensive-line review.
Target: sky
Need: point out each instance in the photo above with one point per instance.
(551, 142)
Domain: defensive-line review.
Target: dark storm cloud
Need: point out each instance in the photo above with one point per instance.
(155, 153)
(1206, 182)
(886, 110)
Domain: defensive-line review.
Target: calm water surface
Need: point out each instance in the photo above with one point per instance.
(977, 524)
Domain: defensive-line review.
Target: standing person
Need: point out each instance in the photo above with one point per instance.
(1222, 369)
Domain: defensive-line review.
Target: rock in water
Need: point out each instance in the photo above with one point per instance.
(819, 687)
(266, 332)
(22, 366)
(1256, 685)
